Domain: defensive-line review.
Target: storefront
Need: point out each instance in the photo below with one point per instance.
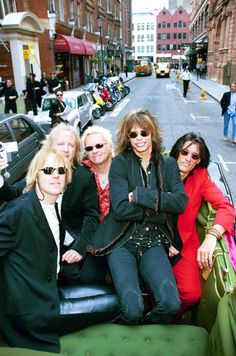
(20, 54)
(70, 56)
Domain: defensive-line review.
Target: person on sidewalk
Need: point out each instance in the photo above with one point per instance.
(53, 83)
(11, 95)
(186, 76)
(228, 105)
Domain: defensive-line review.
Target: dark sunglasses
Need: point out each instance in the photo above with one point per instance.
(98, 146)
(59, 94)
(185, 152)
(50, 170)
(134, 134)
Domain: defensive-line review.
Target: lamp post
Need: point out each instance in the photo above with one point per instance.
(100, 32)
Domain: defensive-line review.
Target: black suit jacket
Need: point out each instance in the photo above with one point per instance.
(225, 101)
(29, 302)
(80, 206)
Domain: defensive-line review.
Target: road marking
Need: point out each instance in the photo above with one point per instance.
(190, 101)
(119, 108)
(170, 86)
(199, 117)
(223, 163)
(153, 97)
(209, 102)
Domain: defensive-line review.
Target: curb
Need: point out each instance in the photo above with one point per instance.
(211, 95)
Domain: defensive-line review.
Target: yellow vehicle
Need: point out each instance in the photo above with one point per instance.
(143, 67)
(163, 70)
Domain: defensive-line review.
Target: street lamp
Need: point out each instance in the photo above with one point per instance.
(100, 19)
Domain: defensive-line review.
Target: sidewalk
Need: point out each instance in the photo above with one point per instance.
(211, 87)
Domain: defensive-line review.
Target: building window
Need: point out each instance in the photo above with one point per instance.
(8, 6)
(151, 48)
(206, 16)
(159, 47)
(133, 38)
(142, 38)
(132, 27)
(175, 35)
(152, 37)
(174, 47)
(179, 35)
(168, 47)
(168, 36)
(138, 38)
(61, 14)
(142, 26)
(163, 24)
(108, 6)
(148, 26)
(78, 15)
(175, 24)
(142, 49)
(184, 35)
(184, 24)
(148, 49)
(138, 26)
(89, 23)
(180, 23)
(164, 13)
(152, 26)
(159, 36)
(180, 11)
(168, 24)
(163, 47)
(163, 36)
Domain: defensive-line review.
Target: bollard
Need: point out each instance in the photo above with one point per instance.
(203, 95)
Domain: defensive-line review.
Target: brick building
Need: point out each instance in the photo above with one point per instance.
(213, 37)
(172, 33)
(64, 36)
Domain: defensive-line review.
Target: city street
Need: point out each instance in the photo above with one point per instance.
(178, 115)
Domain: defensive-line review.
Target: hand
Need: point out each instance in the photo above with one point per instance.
(205, 252)
(172, 251)
(3, 164)
(130, 197)
(71, 256)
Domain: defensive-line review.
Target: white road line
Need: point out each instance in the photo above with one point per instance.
(199, 117)
(223, 163)
(209, 101)
(119, 108)
(190, 101)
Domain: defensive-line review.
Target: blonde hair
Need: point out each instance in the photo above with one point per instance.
(143, 119)
(62, 128)
(38, 162)
(106, 134)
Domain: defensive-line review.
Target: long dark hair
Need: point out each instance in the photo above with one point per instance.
(193, 138)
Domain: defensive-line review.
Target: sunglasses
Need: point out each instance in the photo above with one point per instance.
(185, 152)
(50, 170)
(134, 134)
(59, 94)
(98, 146)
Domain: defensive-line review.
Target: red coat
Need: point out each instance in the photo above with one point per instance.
(199, 186)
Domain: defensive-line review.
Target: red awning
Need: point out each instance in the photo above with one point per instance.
(73, 45)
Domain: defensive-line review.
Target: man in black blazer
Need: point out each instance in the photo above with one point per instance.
(80, 209)
(33, 310)
(228, 105)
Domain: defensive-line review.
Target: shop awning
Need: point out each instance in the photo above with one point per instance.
(73, 45)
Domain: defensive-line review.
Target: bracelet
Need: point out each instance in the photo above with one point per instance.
(214, 232)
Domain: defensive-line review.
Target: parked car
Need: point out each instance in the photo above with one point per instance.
(80, 116)
(28, 135)
(163, 70)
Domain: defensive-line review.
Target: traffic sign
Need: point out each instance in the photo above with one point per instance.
(26, 53)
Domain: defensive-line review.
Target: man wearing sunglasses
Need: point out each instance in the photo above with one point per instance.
(57, 109)
(145, 191)
(193, 157)
(98, 147)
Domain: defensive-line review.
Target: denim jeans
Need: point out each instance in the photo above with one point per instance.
(226, 124)
(155, 269)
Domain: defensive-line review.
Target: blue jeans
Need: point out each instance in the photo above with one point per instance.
(156, 271)
(227, 118)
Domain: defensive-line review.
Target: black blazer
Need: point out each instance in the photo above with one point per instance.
(80, 206)
(225, 101)
(150, 204)
(56, 107)
(29, 303)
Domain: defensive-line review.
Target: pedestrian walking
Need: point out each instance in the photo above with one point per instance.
(228, 105)
(126, 71)
(186, 76)
(11, 95)
(33, 93)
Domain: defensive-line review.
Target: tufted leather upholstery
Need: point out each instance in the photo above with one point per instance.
(120, 340)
